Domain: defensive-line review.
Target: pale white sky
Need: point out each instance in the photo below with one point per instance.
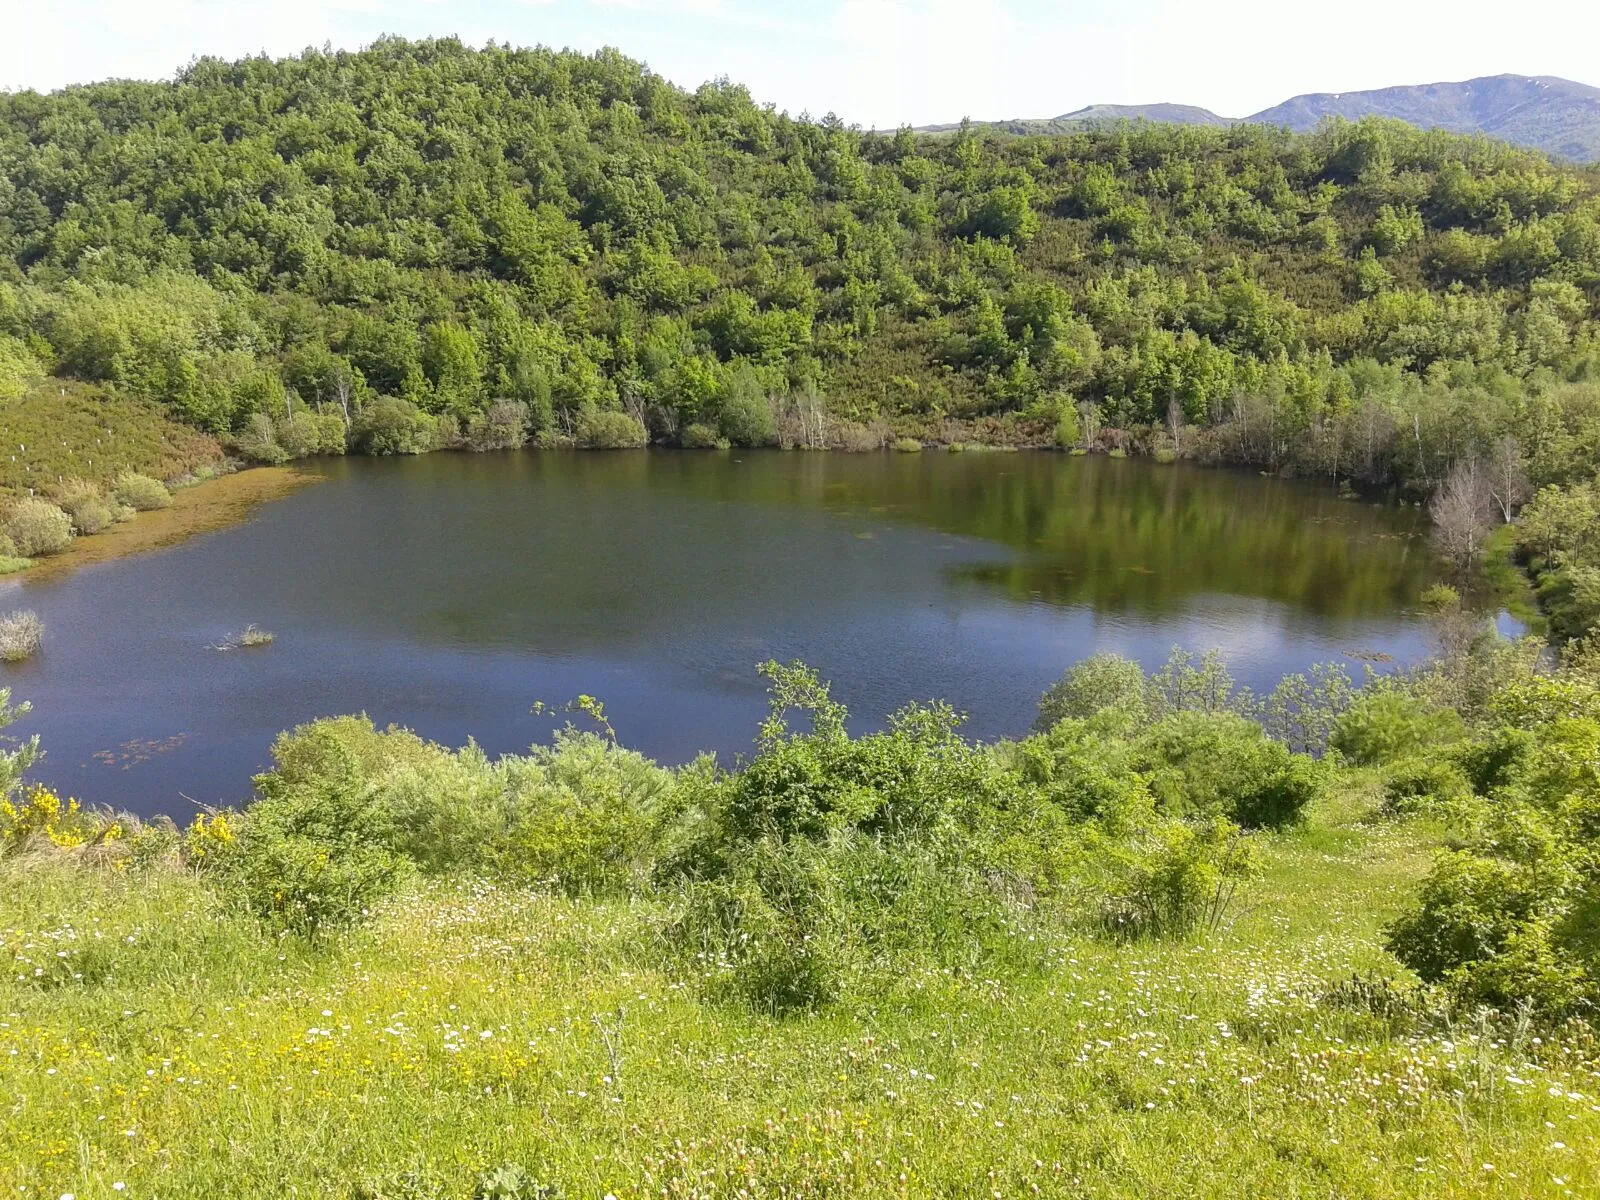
(874, 62)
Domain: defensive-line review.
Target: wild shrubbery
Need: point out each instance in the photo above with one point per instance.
(829, 865)
(36, 527)
(350, 811)
(141, 493)
(1512, 912)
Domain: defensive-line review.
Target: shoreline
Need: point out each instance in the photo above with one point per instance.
(203, 507)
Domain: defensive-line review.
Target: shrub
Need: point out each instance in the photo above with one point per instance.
(1425, 786)
(392, 426)
(299, 434)
(1219, 764)
(332, 435)
(831, 862)
(308, 882)
(21, 634)
(1176, 880)
(141, 493)
(1105, 681)
(85, 505)
(702, 437)
(38, 814)
(858, 438)
(1485, 928)
(1067, 431)
(908, 445)
(598, 429)
(583, 814)
(745, 418)
(258, 442)
(37, 527)
(1382, 726)
(502, 426)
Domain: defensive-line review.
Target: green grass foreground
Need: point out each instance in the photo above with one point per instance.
(155, 1042)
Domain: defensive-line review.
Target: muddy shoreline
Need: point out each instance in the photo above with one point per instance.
(202, 508)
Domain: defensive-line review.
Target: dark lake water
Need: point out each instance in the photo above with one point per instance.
(450, 592)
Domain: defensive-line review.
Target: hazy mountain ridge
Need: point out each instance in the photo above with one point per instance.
(1542, 112)
(1546, 113)
(1168, 114)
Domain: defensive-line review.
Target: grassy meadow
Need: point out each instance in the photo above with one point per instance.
(473, 1037)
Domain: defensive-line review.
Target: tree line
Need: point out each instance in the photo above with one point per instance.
(424, 244)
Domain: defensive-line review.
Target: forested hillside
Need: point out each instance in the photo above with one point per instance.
(400, 238)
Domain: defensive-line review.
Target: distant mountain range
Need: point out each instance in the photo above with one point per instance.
(1543, 112)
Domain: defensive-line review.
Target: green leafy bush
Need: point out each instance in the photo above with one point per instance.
(1222, 765)
(1385, 725)
(37, 527)
(502, 426)
(86, 505)
(393, 426)
(597, 429)
(1175, 879)
(141, 493)
(702, 437)
(1105, 681)
(1426, 786)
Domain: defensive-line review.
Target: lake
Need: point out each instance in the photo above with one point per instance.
(449, 593)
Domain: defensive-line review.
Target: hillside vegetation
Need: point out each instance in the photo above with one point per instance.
(428, 245)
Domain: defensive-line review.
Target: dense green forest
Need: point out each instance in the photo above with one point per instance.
(432, 244)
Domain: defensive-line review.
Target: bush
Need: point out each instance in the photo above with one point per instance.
(1176, 880)
(583, 814)
(745, 418)
(37, 527)
(299, 434)
(1105, 681)
(85, 505)
(829, 862)
(1493, 933)
(308, 882)
(258, 442)
(21, 634)
(502, 426)
(908, 445)
(598, 429)
(1385, 725)
(141, 493)
(1067, 431)
(857, 438)
(1426, 786)
(702, 437)
(1221, 765)
(332, 435)
(393, 426)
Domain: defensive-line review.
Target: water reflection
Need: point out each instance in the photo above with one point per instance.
(449, 592)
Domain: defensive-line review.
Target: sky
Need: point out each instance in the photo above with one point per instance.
(875, 63)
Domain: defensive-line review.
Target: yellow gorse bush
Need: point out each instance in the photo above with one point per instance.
(41, 811)
(207, 836)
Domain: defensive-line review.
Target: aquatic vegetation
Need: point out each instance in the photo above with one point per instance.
(21, 635)
(251, 637)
